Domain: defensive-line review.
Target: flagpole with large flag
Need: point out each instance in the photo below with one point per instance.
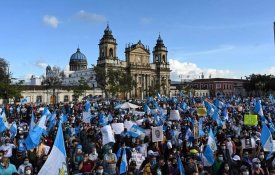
(56, 162)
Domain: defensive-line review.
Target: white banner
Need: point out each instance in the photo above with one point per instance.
(174, 115)
(138, 113)
(86, 117)
(107, 135)
(157, 134)
(118, 127)
(128, 124)
(138, 158)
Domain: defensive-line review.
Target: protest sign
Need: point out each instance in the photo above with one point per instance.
(118, 127)
(138, 158)
(196, 130)
(250, 119)
(157, 134)
(201, 111)
(248, 143)
(174, 115)
(86, 117)
(107, 135)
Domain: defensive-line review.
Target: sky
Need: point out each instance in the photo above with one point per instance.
(219, 38)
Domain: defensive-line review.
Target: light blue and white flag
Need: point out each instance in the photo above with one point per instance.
(258, 108)
(32, 124)
(201, 132)
(13, 130)
(266, 138)
(56, 162)
(180, 166)
(211, 141)
(34, 136)
(87, 106)
(123, 164)
(208, 156)
(136, 131)
(24, 101)
(3, 121)
(146, 109)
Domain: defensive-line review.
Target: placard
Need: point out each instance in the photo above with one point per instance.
(174, 115)
(118, 127)
(138, 158)
(248, 143)
(107, 135)
(157, 134)
(250, 119)
(201, 111)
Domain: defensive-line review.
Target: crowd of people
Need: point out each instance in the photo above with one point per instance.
(236, 147)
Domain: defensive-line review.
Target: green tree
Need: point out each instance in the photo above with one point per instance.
(81, 88)
(101, 77)
(8, 90)
(258, 84)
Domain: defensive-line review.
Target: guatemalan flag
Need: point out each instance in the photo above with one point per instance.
(136, 131)
(211, 141)
(266, 139)
(123, 164)
(208, 156)
(56, 162)
(34, 136)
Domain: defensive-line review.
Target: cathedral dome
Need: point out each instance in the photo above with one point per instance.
(78, 56)
(78, 61)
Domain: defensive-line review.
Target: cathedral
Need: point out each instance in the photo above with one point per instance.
(148, 75)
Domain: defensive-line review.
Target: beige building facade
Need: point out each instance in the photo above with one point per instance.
(148, 75)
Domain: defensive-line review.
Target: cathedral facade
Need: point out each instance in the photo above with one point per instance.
(148, 75)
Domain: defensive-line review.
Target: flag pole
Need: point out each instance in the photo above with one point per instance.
(274, 32)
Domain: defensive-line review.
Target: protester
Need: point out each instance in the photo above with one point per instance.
(165, 136)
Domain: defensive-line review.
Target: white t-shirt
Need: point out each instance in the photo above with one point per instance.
(7, 148)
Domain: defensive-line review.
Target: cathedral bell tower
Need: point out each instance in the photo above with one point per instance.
(160, 52)
(107, 47)
(162, 67)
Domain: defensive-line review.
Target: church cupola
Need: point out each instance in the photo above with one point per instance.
(107, 45)
(160, 52)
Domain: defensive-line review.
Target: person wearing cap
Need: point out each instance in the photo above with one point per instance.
(257, 170)
(77, 157)
(110, 160)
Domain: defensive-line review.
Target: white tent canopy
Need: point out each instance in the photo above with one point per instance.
(127, 105)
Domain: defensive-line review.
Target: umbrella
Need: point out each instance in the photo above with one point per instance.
(127, 105)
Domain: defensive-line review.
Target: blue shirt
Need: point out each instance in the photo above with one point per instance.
(7, 171)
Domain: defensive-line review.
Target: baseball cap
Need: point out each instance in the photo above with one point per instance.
(236, 157)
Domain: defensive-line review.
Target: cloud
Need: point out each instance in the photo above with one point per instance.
(188, 70)
(222, 48)
(271, 71)
(41, 64)
(51, 21)
(145, 20)
(89, 17)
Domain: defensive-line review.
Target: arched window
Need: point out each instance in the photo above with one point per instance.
(157, 58)
(163, 58)
(111, 52)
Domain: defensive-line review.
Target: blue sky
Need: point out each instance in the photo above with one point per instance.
(224, 38)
